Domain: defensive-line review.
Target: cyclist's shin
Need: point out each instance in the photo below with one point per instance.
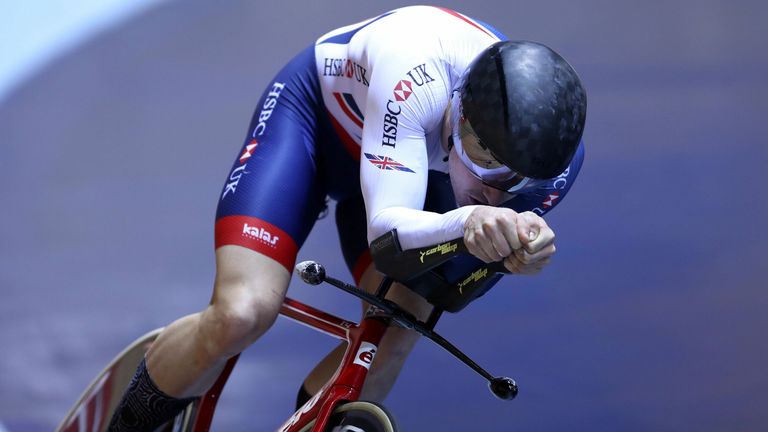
(144, 407)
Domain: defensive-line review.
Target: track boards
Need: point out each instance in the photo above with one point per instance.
(94, 408)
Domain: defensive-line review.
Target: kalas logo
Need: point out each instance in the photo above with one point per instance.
(260, 234)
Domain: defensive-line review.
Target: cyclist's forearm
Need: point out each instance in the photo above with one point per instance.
(417, 228)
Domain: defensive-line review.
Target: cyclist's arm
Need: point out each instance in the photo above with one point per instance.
(394, 189)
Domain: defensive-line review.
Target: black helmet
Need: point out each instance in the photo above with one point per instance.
(526, 105)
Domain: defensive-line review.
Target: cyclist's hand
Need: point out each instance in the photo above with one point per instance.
(491, 233)
(538, 245)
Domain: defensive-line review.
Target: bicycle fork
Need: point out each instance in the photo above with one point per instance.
(346, 384)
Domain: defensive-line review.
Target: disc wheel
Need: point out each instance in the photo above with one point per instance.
(361, 416)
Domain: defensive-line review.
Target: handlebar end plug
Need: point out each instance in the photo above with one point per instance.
(311, 272)
(503, 388)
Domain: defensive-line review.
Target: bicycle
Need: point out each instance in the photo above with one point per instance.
(335, 408)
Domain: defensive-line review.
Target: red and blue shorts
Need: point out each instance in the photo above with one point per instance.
(291, 160)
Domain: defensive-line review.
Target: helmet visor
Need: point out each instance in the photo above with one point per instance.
(479, 160)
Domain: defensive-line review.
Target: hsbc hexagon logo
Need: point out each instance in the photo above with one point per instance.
(403, 90)
(248, 151)
(551, 199)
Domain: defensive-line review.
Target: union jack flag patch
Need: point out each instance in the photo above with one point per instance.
(386, 163)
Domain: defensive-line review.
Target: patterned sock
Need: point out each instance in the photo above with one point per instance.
(302, 397)
(144, 407)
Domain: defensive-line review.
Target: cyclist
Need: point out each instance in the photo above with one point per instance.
(420, 105)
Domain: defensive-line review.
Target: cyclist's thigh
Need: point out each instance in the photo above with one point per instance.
(273, 193)
(351, 224)
(352, 227)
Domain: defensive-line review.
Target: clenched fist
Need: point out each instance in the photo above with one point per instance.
(523, 240)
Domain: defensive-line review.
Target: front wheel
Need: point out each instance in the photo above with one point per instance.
(361, 416)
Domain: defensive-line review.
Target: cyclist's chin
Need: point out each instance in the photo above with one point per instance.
(469, 191)
(480, 199)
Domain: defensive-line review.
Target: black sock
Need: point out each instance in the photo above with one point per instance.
(302, 397)
(144, 407)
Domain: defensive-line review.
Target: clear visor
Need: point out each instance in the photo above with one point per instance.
(479, 161)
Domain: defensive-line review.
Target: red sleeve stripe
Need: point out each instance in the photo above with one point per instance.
(466, 20)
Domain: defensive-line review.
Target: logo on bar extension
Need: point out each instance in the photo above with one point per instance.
(476, 276)
(443, 249)
(365, 355)
(260, 234)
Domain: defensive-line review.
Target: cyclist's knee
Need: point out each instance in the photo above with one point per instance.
(229, 327)
(246, 300)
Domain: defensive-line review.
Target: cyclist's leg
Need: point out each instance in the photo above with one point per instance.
(266, 209)
(397, 342)
(190, 353)
(392, 352)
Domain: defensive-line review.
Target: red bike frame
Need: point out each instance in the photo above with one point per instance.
(92, 409)
(345, 385)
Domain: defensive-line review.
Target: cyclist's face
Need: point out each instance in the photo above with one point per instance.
(468, 188)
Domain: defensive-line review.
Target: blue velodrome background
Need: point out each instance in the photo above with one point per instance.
(652, 317)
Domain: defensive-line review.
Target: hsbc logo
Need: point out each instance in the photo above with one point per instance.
(365, 354)
(558, 183)
(266, 112)
(345, 68)
(402, 91)
(234, 179)
(266, 109)
(419, 75)
(390, 124)
(550, 200)
(248, 151)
